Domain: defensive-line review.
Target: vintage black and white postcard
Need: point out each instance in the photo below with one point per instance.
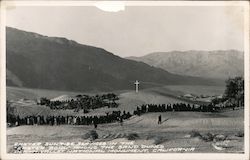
(124, 80)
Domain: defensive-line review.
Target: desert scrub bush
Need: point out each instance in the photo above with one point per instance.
(220, 137)
(240, 134)
(92, 135)
(194, 133)
(208, 137)
(159, 140)
(132, 136)
(148, 137)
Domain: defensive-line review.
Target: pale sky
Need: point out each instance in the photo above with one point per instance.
(137, 31)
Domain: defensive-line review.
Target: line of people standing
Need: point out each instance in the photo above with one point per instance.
(70, 120)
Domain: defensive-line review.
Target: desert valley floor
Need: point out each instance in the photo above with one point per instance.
(178, 129)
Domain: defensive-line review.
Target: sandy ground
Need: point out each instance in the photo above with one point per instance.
(173, 132)
(128, 102)
(25, 99)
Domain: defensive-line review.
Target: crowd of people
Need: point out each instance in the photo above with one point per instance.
(114, 116)
(82, 102)
(174, 107)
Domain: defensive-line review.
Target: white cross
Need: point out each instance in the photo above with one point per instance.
(136, 86)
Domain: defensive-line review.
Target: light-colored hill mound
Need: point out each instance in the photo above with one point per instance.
(16, 93)
(63, 98)
(130, 100)
(24, 100)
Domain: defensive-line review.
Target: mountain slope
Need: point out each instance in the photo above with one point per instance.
(57, 63)
(211, 64)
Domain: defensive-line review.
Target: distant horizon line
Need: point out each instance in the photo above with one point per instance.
(191, 50)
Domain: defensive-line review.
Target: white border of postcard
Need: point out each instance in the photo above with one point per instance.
(226, 156)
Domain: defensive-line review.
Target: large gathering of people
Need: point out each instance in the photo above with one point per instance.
(174, 107)
(110, 117)
(82, 102)
(115, 116)
(232, 98)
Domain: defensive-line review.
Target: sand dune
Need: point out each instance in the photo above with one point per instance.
(174, 132)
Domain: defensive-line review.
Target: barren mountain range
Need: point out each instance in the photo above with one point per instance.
(38, 61)
(220, 64)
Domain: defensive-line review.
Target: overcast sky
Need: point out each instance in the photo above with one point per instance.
(137, 31)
